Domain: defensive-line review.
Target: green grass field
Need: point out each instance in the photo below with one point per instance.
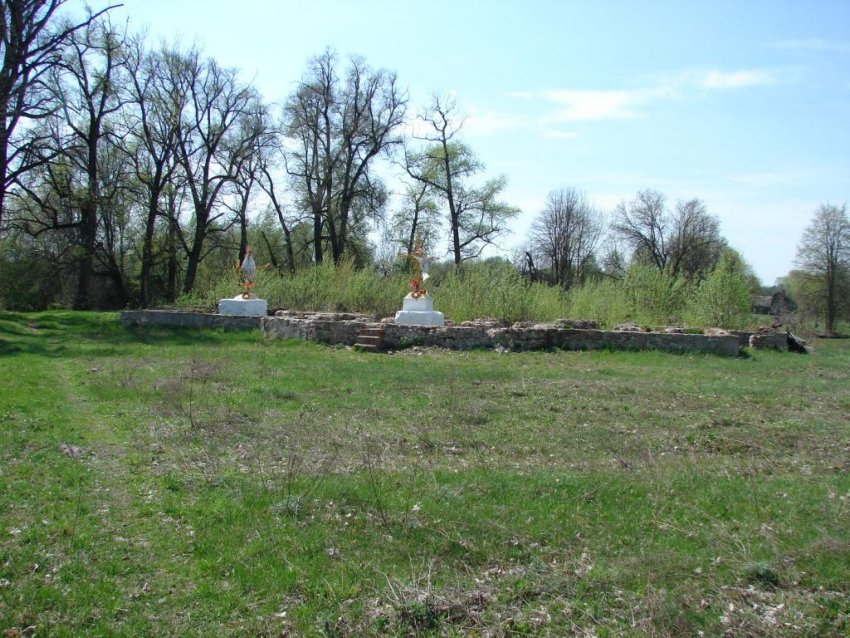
(164, 482)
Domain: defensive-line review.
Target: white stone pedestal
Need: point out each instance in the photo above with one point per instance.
(240, 307)
(419, 312)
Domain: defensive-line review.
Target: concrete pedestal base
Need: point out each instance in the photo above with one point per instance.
(419, 312)
(239, 307)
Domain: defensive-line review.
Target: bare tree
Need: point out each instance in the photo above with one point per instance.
(695, 243)
(47, 210)
(614, 263)
(211, 144)
(309, 124)
(566, 234)
(150, 146)
(268, 185)
(685, 242)
(84, 86)
(824, 255)
(476, 216)
(30, 45)
(372, 109)
(338, 126)
(642, 224)
(87, 87)
(257, 131)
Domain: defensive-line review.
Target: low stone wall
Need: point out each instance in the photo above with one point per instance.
(763, 340)
(334, 332)
(342, 329)
(181, 319)
(543, 337)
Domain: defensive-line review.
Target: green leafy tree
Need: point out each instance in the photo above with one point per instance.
(29, 278)
(418, 216)
(805, 289)
(823, 255)
(476, 215)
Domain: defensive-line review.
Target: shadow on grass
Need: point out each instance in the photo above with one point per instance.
(67, 333)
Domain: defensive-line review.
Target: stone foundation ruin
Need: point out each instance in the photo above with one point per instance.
(344, 329)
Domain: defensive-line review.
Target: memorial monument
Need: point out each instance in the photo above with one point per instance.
(245, 304)
(418, 306)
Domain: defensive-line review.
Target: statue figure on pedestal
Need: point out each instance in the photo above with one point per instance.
(245, 304)
(248, 268)
(421, 263)
(418, 306)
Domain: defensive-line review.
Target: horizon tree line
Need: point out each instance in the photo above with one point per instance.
(130, 172)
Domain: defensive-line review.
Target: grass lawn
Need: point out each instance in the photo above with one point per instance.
(164, 482)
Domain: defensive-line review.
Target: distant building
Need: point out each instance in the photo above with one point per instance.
(776, 304)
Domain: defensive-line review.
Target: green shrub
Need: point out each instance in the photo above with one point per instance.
(654, 297)
(645, 296)
(601, 300)
(28, 281)
(723, 299)
(496, 290)
(325, 287)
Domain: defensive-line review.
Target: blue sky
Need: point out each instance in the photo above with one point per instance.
(744, 105)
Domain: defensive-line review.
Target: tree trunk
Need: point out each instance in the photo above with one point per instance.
(195, 252)
(411, 239)
(173, 267)
(2, 194)
(4, 158)
(450, 198)
(317, 237)
(88, 221)
(344, 209)
(243, 234)
(121, 296)
(275, 262)
(455, 237)
(147, 254)
(290, 257)
(830, 301)
(88, 230)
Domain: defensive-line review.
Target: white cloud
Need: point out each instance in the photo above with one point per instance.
(584, 105)
(556, 134)
(737, 79)
(465, 117)
(593, 105)
(489, 122)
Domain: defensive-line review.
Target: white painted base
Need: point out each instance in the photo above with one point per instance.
(240, 307)
(419, 312)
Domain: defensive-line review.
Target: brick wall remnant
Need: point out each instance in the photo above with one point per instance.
(343, 328)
